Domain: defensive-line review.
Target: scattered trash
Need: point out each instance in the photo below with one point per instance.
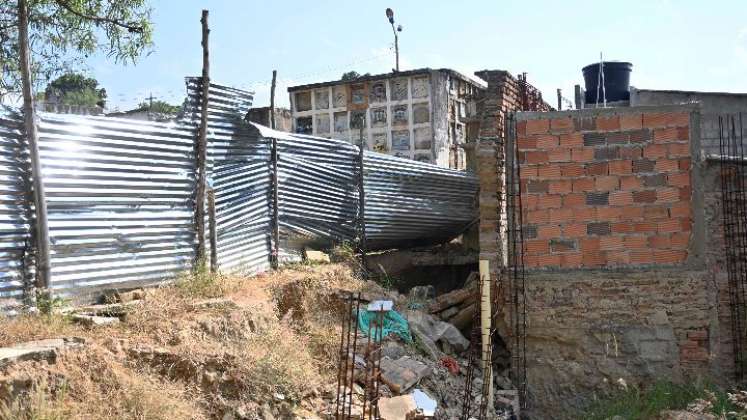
(393, 323)
(381, 305)
(450, 364)
(424, 402)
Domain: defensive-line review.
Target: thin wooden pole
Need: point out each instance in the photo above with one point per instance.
(202, 144)
(275, 259)
(213, 232)
(41, 229)
(272, 99)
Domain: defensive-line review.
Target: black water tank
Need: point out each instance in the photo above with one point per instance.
(616, 81)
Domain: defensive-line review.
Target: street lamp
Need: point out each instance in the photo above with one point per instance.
(390, 16)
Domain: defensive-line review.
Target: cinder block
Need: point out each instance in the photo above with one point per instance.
(679, 179)
(564, 125)
(574, 230)
(610, 123)
(655, 151)
(609, 213)
(620, 167)
(648, 196)
(537, 126)
(597, 168)
(548, 231)
(631, 121)
(643, 165)
(607, 183)
(559, 154)
(610, 243)
(618, 137)
(582, 154)
(549, 171)
(574, 200)
(621, 198)
(632, 152)
(668, 119)
(562, 245)
(598, 228)
(669, 226)
(561, 186)
(629, 183)
(667, 165)
(571, 140)
(635, 241)
(595, 139)
(640, 136)
(572, 170)
(581, 185)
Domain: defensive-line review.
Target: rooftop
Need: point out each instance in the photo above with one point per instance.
(471, 79)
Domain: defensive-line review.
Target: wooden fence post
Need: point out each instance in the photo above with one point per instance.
(202, 145)
(41, 228)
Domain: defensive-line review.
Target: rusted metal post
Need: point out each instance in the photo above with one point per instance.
(41, 228)
(202, 144)
(213, 232)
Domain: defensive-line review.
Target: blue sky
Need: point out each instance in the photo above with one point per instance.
(688, 45)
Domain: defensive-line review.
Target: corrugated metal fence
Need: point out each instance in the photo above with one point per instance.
(120, 196)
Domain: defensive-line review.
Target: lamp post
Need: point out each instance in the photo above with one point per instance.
(390, 16)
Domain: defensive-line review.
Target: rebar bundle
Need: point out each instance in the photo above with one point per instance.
(734, 212)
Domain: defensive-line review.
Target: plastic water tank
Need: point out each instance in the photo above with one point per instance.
(616, 81)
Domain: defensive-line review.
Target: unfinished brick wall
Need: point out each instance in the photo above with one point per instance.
(604, 190)
(649, 301)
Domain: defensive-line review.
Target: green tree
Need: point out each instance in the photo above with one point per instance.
(75, 89)
(63, 33)
(159, 107)
(352, 75)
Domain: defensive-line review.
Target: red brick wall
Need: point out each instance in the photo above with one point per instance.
(610, 188)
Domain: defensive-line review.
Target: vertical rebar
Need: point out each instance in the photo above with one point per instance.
(354, 327)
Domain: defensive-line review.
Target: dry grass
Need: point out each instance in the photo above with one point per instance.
(171, 359)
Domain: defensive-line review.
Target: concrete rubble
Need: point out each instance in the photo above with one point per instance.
(402, 374)
(39, 350)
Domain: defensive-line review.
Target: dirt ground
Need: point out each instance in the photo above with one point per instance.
(210, 348)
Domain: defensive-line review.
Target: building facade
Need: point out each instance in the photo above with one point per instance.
(418, 114)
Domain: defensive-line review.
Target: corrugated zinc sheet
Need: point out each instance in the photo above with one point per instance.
(15, 207)
(410, 202)
(407, 202)
(119, 197)
(317, 190)
(239, 172)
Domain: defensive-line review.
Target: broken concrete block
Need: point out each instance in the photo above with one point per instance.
(37, 350)
(437, 331)
(94, 321)
(428, 345)
(397, 408)
(451, 299)
(401, 374)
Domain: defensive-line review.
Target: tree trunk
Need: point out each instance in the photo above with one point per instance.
(41, 229)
